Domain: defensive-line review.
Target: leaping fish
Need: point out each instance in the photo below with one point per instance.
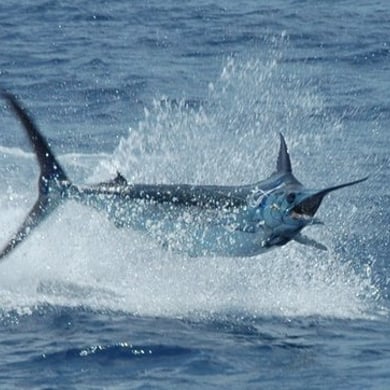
(199, 220)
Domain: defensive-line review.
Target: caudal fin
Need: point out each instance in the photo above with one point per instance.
(52, 184)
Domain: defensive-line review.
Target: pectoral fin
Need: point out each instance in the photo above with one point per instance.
(309, 241)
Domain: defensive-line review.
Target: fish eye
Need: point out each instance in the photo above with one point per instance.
(290, 197)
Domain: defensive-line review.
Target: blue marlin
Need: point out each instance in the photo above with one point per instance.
(199, 220)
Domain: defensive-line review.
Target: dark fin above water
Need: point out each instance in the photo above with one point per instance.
(284, 164)
(52, 184)
(120, 179)
(41, 208)
(49, 167)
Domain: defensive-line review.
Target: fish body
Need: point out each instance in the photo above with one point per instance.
(198, 220)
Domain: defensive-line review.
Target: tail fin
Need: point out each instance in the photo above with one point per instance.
(52, 184)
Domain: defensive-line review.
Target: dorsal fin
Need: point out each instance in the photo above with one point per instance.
(119, 179)
(284, 164)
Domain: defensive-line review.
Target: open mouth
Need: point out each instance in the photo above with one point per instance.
(308, 207)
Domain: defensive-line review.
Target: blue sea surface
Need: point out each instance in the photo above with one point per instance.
(197, 92)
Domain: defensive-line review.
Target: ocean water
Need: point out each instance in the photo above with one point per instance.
(197, 92)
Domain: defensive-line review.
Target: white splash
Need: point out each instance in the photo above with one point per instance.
(78, 258)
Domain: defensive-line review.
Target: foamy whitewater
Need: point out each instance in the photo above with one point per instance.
(78, 250)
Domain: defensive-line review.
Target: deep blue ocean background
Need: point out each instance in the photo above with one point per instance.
(197, 92)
